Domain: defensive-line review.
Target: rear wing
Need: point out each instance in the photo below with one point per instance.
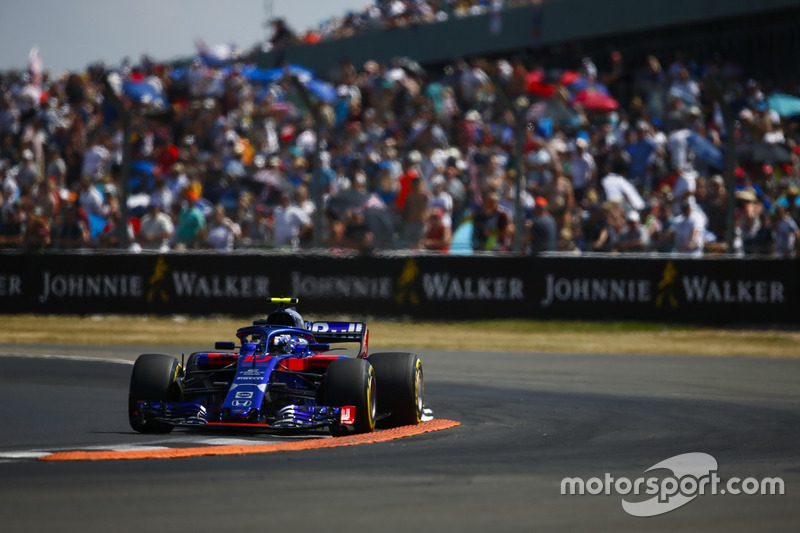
(337, 332)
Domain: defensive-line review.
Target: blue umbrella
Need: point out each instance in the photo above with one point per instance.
(144, 93)
(785, 105)
(97, 224)
(706, 150)
(144, 166)
(274, 74)
(461, 244)
(321, 89)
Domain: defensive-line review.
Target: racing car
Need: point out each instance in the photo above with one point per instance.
(284, 374)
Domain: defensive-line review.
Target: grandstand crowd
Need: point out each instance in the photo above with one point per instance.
(390, 14)
(616, 157)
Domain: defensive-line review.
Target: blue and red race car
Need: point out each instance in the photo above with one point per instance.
(282, 375)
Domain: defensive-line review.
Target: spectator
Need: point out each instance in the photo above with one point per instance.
(438, 233)
(56, 169)
(410, 172)
(27, 173)
(492, 226)
(595, 231)
(112, 236)
(618, 189)
(257, 231)
(750, 221)
(684, 188)
(222, 233)
(687, 231)
(191, 227)
(97, 158)
(303, 199)
(90, 199)
(70, 232)
(543, 233)
(685, 88)
(47, 197)
(353, 232)
(156, 229)
(282, 37)
(642, 150)
(414, 213)
(584, 169)
(454, 186)
(560, 200)
(633, 237)
(787, 234)
(290, 225)
(441, 199)
(37, 230)
(161, 192)
(177, 181)
(656, 218)
(716, 208)
(12, 227)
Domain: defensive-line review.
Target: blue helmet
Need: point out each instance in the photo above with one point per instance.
(290, 344)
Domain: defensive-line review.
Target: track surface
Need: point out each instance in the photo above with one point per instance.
(527, 421)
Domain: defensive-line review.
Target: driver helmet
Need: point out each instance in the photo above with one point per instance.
(289, 344)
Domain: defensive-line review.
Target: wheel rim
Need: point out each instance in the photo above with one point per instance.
(371, 399)
(419, 389)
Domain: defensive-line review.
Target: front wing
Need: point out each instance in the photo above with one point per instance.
(288, 417)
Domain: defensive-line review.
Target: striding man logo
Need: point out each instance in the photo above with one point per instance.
(158, 281)
(666, 287)
(404, 288)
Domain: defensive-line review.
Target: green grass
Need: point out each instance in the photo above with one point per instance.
(504, 335)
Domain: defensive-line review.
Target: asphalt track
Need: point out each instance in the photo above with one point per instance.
(527, 420)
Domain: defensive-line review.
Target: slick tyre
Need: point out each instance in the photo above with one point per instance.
(352, 382)
(401, 389)
(154, 378)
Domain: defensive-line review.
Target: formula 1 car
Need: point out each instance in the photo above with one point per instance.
(283, 375)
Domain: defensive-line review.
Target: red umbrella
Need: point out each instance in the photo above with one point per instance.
(569, 77)
(592, 100)
(537, 85)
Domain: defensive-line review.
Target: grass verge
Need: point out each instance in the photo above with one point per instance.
(488, 335)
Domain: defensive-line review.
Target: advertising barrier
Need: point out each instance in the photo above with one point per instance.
(668, 289)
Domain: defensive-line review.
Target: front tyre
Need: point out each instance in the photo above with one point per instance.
(401, 389)
(154, 378)
(352, 382)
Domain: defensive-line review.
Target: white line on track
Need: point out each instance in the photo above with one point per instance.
(69, 357)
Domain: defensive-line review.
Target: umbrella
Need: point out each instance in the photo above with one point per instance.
(144, 92)
(569, 77)
(275, 74)
(544, 82)
(461, 244)
(321, 89)
(785, 105)
(381, 224)
(594, 100)
(339, 203)
(764, 153)
(538, 85)
(706, 150)
(143, 166)
(411, 66)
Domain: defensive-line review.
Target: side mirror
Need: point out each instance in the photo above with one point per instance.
(225, 345)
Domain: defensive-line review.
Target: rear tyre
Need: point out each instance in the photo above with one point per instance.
(401, 389)
(154, 378)
(352, 382)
